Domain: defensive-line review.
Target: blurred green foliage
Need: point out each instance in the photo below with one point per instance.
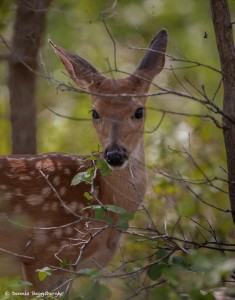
(185, 156)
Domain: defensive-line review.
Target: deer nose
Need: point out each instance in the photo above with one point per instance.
(115, 156)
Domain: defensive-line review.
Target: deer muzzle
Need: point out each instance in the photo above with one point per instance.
(116, 156)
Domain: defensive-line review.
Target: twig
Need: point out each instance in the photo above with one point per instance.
(158, 125)
(64, 116)
(114, 44)
(185, 60)
(16, 254)
(202, 116)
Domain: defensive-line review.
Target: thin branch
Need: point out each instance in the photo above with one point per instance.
(58, 196)
(201, 116)
(114, 44)
(190, 181)
(205, 202)
(66, 117)
(23, 62)
(180, 82)
(196, 63)
(145, 288)
(16, 254)
(158, 125)
(217, 90)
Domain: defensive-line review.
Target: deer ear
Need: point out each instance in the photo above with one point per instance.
(84, 74)
(153, 60)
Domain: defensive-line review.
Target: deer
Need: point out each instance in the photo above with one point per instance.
(46, 220)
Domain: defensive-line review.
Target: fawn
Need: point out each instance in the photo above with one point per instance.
(45, 220)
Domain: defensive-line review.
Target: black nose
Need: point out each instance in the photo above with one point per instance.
(115, 156)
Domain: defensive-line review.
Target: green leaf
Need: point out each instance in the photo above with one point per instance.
(123, 222)
(103, 165)
(95, 291)
(155, 271)
(104, 292)
(109, 207)
(115, 209)
(109, 220)
(90, 170)
(180, 261)
(82, 177)
(44, 272)
(162, 254)
(99, 213)
(88, 196)
(22, 283)
(63, 263)
(90, 158)
(91, 272)
(78, 178)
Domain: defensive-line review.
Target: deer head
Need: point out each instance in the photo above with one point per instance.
(118, 111)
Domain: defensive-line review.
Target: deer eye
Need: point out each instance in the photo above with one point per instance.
(95, 114)
(139, 113)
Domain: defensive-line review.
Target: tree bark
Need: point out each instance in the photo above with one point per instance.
(28, 30)
(225, 44)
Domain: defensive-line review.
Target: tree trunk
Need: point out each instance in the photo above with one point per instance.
(225, 44)
(28, 30)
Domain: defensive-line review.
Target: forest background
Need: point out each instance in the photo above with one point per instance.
(183, 239)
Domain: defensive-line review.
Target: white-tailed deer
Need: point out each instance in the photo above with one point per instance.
(44, 220)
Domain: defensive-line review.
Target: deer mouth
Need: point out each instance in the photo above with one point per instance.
(116, 157)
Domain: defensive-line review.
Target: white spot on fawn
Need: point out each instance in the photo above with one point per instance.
(64, 243)
(58, 233)
(81, 206)
(25, 177)
(10, 174)
(46, 207)
(18, 192)
(56, 181)
(42, 236)
(73, 206)
(52, 248)
(67, 171)
(34, 199)
(54, 206)
(46, 191)
(68, 230)
(62, 191)
(7, 196)
(46, 164)
(3, 187)
(38, 165)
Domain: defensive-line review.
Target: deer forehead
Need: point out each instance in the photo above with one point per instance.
(112, 86)
(117, 98)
